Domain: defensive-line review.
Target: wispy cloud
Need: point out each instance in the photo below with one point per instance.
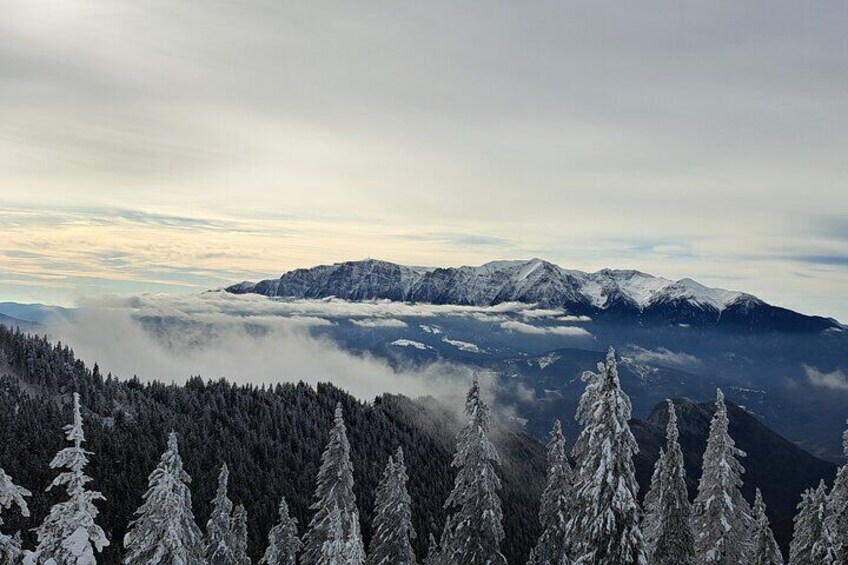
(379, 323)
(833, 380)
(567, 331)
(662, 356)
(240, 338)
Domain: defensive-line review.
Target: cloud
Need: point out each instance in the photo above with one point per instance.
(379, 323)
(252, 305)
(662, 356)
(834, 380)
(504, 138)
(835, 260)
(574, 319)
(170, 338)
(542, 312)
(521, 327)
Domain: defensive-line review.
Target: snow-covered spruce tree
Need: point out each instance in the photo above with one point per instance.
(604, 524)
(332, 550)
(334, 489)
(220, 538)
(764, 548)
(69, 534)
(164, 531)
(434, 556)
(283, 542)
(239, 527)
(473, 532)
(668, 537)
(836, 523)
(811, 544)
(721, 518)
(392, 529)
(11, 494)
(551, 548)
(651, 507)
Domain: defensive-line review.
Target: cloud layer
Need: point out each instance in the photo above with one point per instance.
(244, 339)
(255, 339)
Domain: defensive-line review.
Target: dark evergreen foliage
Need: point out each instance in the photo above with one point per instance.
(270, 437)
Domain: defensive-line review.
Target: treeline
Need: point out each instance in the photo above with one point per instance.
(589, 513)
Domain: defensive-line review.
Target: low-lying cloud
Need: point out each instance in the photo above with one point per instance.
(379, 323)
(245, 340)
(834, 380)
(521, 327)
(661, 356)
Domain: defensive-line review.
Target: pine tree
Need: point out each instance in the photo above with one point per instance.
(555, 506)
(11, 494)
(283, 542)
(220, 538)
(604, 524)
(764, 548)
(333, 548)
(836, 524)
(334, 489)
(239, 528)
(721, 518)
(668, 537)
(164, 531)
(69, 535)
(392, 529)
(473, 532)
(434, 556)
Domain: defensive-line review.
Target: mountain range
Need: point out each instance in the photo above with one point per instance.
(608, 294)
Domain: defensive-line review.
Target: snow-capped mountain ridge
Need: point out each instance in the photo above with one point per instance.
(608, 292)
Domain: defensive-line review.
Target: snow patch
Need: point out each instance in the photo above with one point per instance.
(463, 345)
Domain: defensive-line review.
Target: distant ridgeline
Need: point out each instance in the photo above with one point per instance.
(607, 295)
(272, 439)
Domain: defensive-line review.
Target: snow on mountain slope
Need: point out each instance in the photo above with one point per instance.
(622, 293)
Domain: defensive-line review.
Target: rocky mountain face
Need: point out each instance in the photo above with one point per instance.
(607, 294)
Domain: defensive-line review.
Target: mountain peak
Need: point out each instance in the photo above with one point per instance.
(609, 293)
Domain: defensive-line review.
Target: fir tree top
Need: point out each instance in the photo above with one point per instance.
(283, 541)
(765, 550)
(334, 489)
(473, 533)
(69, 534)
(164, 530)
(721, 518)
(605, 523)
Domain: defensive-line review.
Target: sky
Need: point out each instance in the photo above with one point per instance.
(164, 146)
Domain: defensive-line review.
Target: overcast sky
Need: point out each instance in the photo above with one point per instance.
(165, 145)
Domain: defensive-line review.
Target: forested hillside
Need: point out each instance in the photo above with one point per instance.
(271, 439)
